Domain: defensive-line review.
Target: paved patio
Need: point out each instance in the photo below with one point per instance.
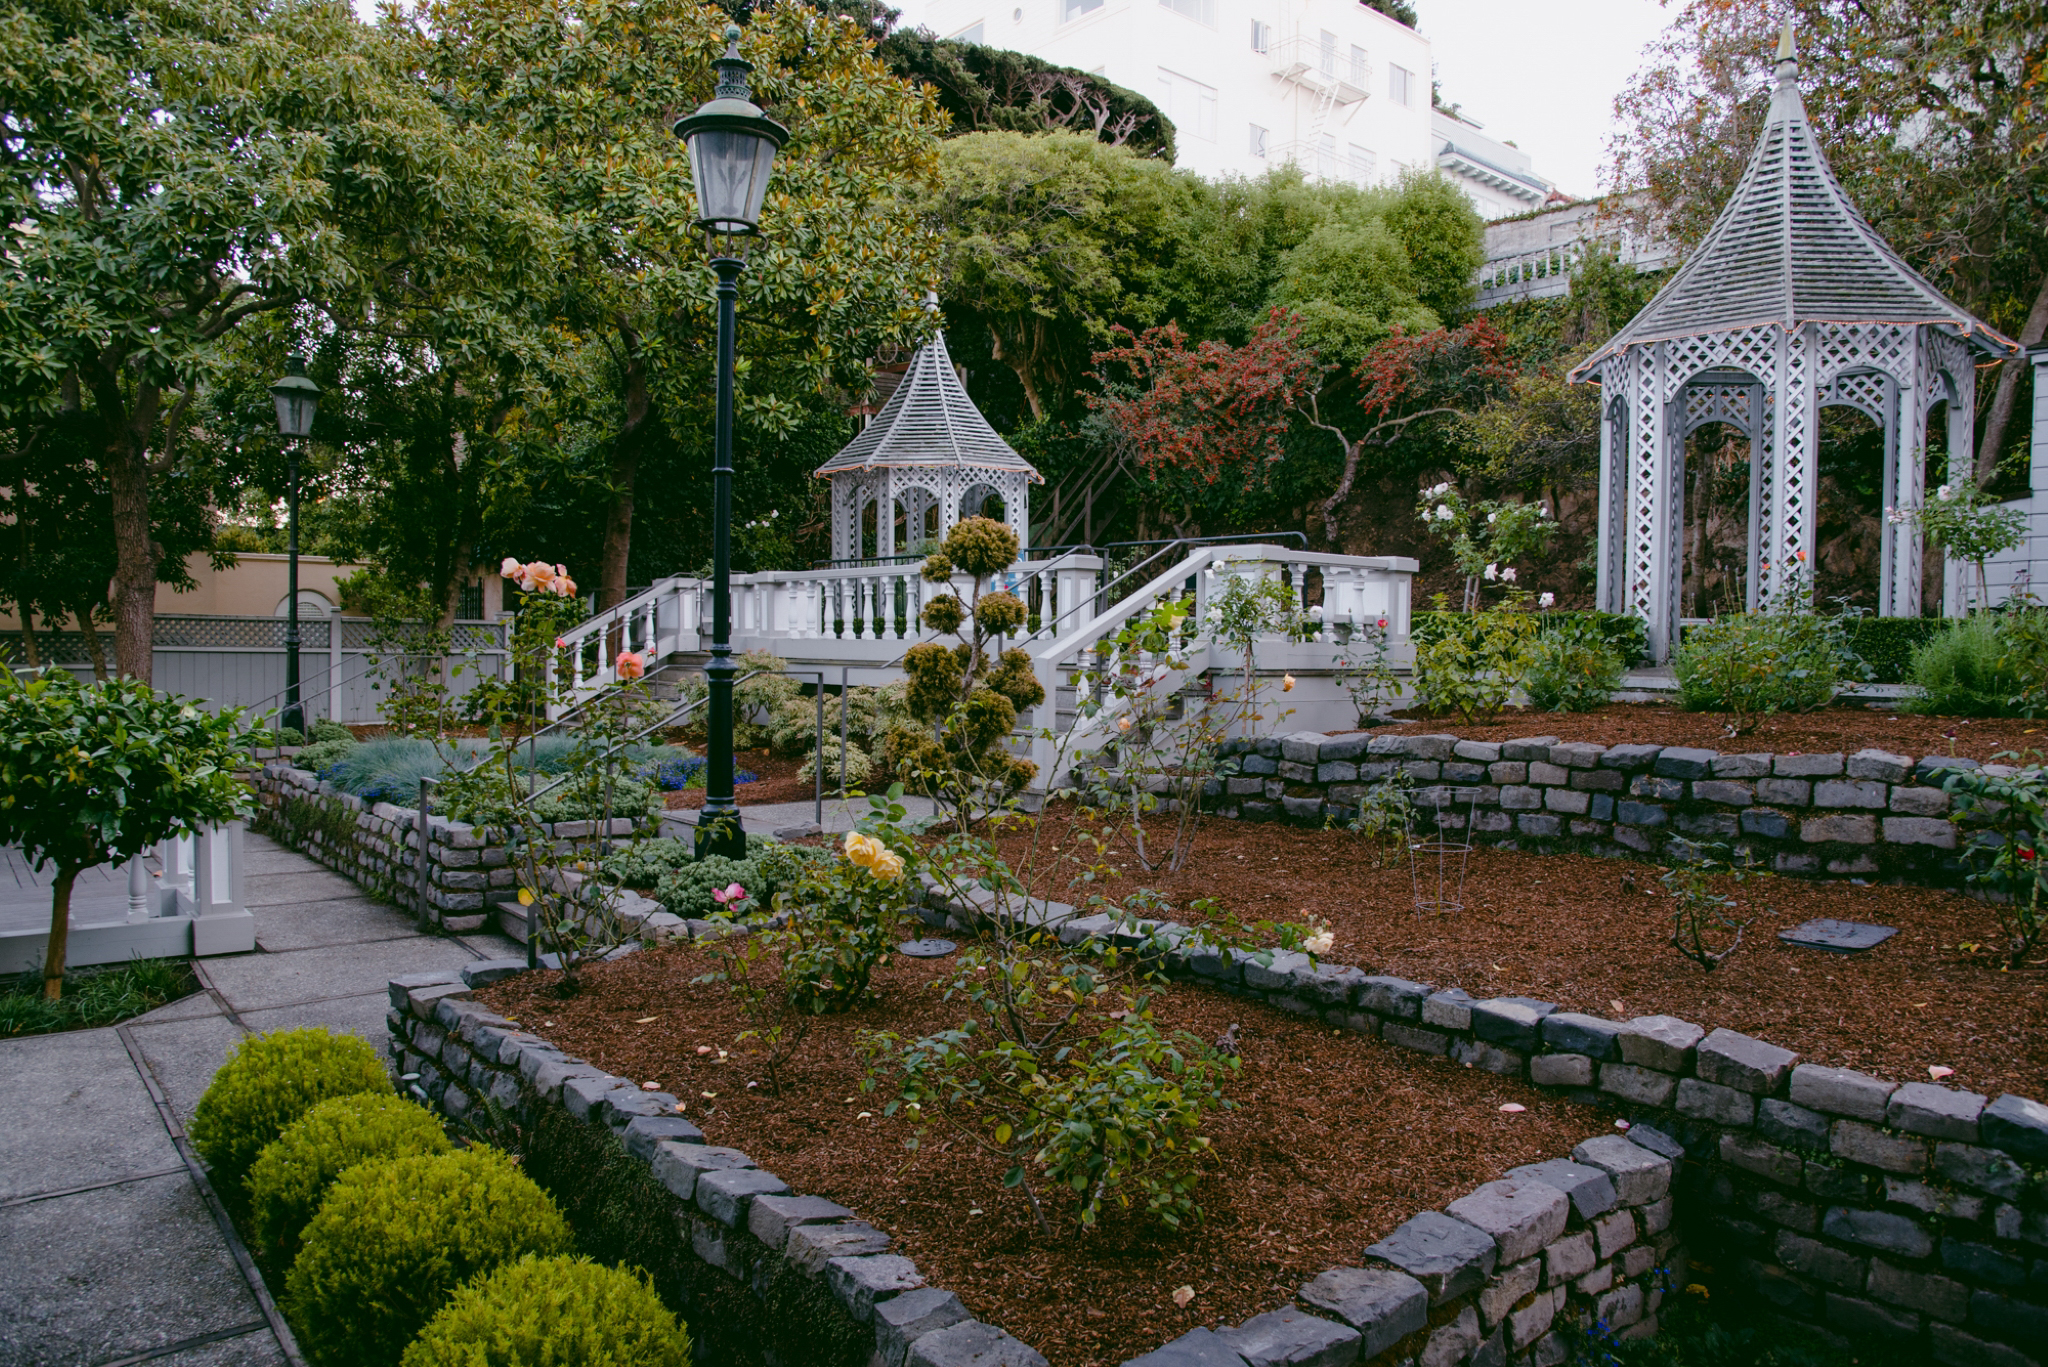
(113, 1250)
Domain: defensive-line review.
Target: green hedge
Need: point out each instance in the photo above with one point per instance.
(1887, 644)
(268, 1082)
(553, 1312)
(1627, 634)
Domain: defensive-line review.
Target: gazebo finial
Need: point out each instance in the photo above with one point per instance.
(1788, 51)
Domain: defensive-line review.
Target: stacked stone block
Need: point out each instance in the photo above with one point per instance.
(1872, 812)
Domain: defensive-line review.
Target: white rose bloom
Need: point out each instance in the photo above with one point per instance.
(1315, 614)
(1944, 493)
(1492, 518)
(1547, 600)
(1508, 575)
(1443, 513)
(1492, 571)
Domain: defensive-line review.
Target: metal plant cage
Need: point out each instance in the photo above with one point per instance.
(1436, 860)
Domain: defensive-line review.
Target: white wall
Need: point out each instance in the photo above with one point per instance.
(1194, 58)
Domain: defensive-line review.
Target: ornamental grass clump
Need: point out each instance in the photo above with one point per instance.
(1969, 670)
(396, 1237)
(268, 1082)
(553, 1312)
(293, 1173)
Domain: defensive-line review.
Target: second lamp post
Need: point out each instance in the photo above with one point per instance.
(297, 398)
(732, 147)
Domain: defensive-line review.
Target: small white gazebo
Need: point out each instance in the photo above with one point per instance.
(930, 458)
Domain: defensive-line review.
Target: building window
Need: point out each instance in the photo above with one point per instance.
(1258, 142)
(1328, 48)
(973, 33)
(1074, 9)
(1358, 66)
(1363, 164)
(1201, 11)
(1326, 156)
(469, 604)
(1189, 103)
(1262, 37)
(1400, 84)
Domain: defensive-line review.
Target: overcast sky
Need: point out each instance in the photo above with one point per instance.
(1542, 75)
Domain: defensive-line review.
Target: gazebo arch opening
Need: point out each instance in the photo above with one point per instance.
(982, 500)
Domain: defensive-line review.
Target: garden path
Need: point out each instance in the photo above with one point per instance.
(113, 1248)
(796, 818)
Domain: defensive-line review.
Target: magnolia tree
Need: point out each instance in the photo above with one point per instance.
(93, 774)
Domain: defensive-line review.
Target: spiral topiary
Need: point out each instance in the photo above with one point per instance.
(394, 1239)
(292, 1174)
(553, 1312)
(268, 1082)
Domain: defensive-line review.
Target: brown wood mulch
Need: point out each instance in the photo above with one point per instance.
(1845, 728)
(775, 781)
(1336, 1140)
(1594, 935)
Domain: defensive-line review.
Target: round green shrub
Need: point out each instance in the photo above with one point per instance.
(268, 1082)
(396, 1236)
(553, 1312)
(293, 1173)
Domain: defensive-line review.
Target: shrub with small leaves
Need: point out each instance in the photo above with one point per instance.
(1754, 664)
(292, 1174)
(395, 1238)
(323, 755)
(553, 1312)
(268, 1082)
(856, 766)
(1572, 668)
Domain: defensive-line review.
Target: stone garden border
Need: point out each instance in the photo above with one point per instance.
(1870, 813)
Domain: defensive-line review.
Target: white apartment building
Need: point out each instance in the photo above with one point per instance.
(1498, 177)
(1339, 89)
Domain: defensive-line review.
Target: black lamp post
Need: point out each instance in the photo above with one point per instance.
(297, 398)
(732, 147)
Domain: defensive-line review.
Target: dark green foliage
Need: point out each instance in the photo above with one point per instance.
(1698, 1333)
(323, 755)
(395, 1238)
(93, 996)
(990, 88)
(1572, 668)
(1888, 644)
(292, 1174)
(1627, 635)
(683, 884)
(622, 1216)
(1966, 670)
(268, 1082)
(553, 1312)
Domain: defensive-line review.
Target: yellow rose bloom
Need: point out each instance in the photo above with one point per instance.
(888, 865)
(863, 850)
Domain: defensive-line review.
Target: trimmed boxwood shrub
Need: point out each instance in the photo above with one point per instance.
(396, 1236)
(268, 1082)
(553, 1312)
(1887, 644)
(292, 1174)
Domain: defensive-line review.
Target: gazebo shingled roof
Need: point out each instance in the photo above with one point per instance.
(1789, 248)
(929, 421)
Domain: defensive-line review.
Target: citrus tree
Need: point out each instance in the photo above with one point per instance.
(96, 773)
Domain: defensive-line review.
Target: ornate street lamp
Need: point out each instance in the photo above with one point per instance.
(732, 148)
(297, 399)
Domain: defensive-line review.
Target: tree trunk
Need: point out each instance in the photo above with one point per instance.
(28, 636)
(2006, 395)
(126, 462)
(60, 931)
(94, 648)
(625, 473)
(1021, 365)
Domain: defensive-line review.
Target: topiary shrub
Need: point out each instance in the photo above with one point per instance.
(394, 1239)
(553, 1312)
(268, 1082)
(292, 1174)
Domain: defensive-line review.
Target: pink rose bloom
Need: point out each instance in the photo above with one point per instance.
(732, 894)
(510, 569)
(631, 665)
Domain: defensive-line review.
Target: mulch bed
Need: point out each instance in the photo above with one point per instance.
(1594, 935)
(775, 781)
(1337, 1140)
(1844, 728)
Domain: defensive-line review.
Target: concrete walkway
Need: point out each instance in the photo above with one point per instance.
(793, 819)
(113, 1248)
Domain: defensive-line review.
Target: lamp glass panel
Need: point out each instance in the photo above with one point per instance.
(731, 173)
(294, 414)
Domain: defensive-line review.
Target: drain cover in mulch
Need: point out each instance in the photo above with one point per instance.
(927, 949)
(1839, 937)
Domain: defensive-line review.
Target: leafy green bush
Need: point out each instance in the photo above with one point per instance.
(1472, 670)
(93, 996)
(323, 755)
(325, 730)
(268, 1082)
(2010, 868)
(857, 764)
(843, 919)
(1754, 664)
(553, 1312)
(1964, 672)
(292, 1174)
(288, 735)
(394, 1239)
(1627, 634)
(683, 884)
(1572, 668)
(1888, 644)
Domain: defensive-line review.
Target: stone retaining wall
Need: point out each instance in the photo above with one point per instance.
(1853, 1204)
(1870, 813)
(377, 846)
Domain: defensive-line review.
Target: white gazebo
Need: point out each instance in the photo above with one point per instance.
(930, 458)
(1793, 303)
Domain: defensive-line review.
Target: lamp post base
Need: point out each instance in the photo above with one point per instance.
(719, 832)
